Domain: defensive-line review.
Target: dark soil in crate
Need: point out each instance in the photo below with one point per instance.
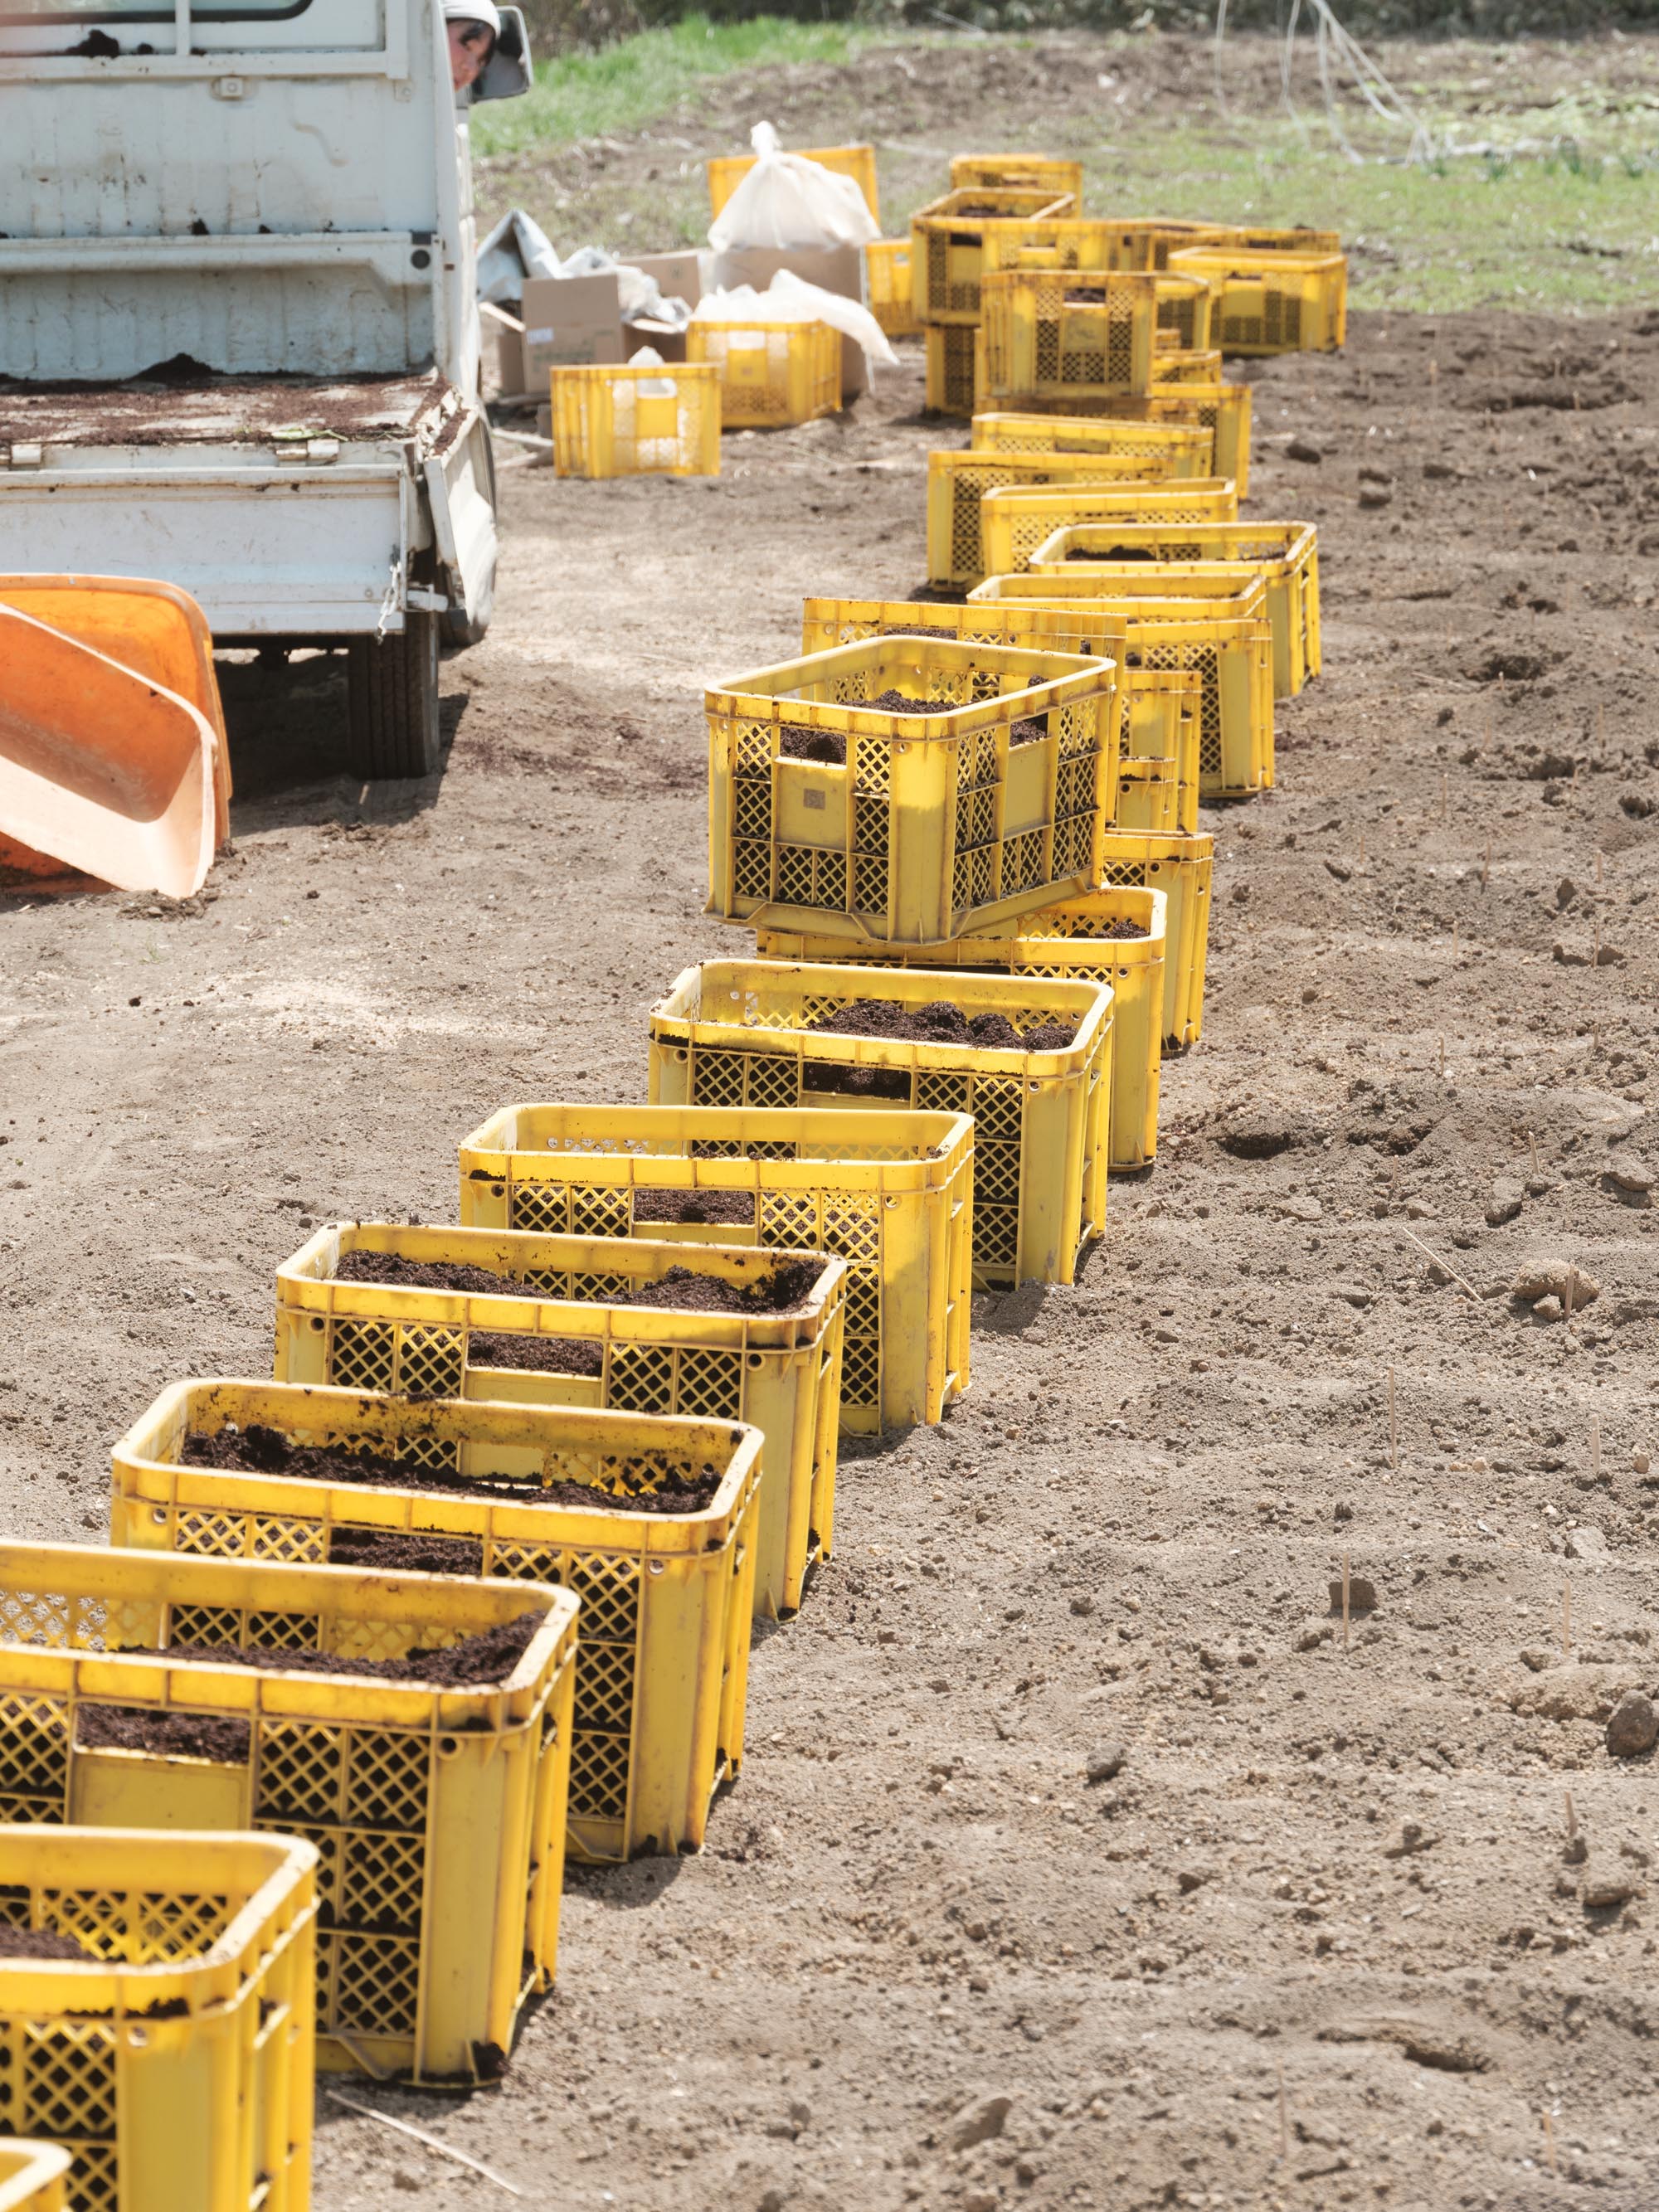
(683, 1290)
(402, 1551)
(798, 741)
(154, 1729)
(258, 1450)
(536, 1355)
(43, 1943)
(940, 1023)
(478, 1662)
(736, 1208)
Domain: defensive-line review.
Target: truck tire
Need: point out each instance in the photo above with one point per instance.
(391, 702)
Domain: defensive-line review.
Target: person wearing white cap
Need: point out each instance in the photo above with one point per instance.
(473, 26)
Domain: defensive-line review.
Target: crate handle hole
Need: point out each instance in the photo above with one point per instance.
(158, 1514)
(317, 1323)
(449, 1746)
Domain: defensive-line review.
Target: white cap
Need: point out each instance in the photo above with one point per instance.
(474, 11)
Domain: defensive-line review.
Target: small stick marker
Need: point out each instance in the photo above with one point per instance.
(1344, 1600)
(1532, 1151)
(1599, 870)
(1393, 1428)
(1596, 960)
(1573, 1817)
(1549, 2131)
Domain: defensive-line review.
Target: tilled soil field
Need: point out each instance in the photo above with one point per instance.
(1080, 1858)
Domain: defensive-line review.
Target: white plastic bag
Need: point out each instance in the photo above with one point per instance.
(653, 387)
(791, 299)
(517, 247)
(785, 200)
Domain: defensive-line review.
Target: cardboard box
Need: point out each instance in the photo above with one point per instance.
(832, 268)
(679, 275)
(570, 320)
(662, 338)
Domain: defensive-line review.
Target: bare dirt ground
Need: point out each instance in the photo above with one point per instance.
(1317, 1936)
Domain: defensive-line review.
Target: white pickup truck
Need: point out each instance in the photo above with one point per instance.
(238, 334)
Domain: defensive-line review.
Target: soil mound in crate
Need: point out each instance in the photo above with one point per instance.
(43, 1943)
(939, 1022)
(683, 1289)
(258, 1450)
(736, 1206)
(799, 741)
(154, 1729)
(478, 1662)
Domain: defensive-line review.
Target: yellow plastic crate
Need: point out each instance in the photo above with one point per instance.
(1285, 554)
(1140, 589)
(1015, 523)
(1034, 624)
(177, 2070)
(780, 1372)
(1231, 651)
(1222, 430)
(891, 293)
(623, 422)
(662, 1660)
(928, 824)
(1064, 941)
(1272, 301)
(1191, 446)
(1179, 365)
(439, 1813)
(1026, 172)
(772, 375)
(952, 355)
(958, 482)
(1050, 332)
(735, 1033)
(1223, 410)
(890, 1193)
(727, 171)
(32, 2176)
(1180, 868)
(1159, 780)
(954, 238)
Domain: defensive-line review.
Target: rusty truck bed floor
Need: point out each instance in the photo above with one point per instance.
(195, 408)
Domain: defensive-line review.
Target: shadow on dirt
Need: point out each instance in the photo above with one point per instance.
(287, 726)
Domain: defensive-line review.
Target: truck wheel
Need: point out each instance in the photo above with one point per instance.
(391, 702)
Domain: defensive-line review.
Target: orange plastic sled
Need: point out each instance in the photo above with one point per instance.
(102, 768)
(152, 628)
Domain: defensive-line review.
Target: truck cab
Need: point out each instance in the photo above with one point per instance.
(239, 331)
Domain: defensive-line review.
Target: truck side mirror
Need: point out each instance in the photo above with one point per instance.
(506, 73)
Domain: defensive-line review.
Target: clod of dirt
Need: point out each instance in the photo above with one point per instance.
(478, 1662)
(1635, 1178)
(43, 1943)
(1258, 1136)
(798, 741)
(1632, 1726)
(1505, 1201)
(1362, 1593)
(941, 1023)
(171, 1735)
(1608, 1893)
(981, 2121)
(1560, 1279)
(736, 1206)
(683, 1289)
(1303, 449)
(1105, 1762)
(1586, 956)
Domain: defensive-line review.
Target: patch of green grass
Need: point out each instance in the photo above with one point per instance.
(1571, 228)
(588, 95)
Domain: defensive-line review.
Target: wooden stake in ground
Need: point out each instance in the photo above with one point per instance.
(1344, 1600)
(1600, 857)
(1549, 2144)
(1531, 1151)
(1573, 1817)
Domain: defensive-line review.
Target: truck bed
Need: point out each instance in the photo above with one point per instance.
(182, 404)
